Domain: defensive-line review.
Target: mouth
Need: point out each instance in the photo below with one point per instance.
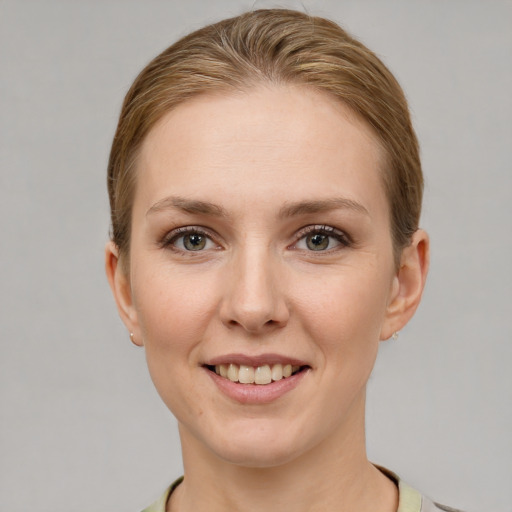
(260, 375)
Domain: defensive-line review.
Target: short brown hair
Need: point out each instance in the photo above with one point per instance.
(276, 46)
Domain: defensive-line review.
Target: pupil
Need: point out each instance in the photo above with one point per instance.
(194, 242)
(317, 242)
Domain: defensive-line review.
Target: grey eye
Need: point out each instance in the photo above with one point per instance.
(321, 238)
(189, 239)
(194, 242)
(317, 242)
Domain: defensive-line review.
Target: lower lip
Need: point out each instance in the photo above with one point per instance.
(257, 393)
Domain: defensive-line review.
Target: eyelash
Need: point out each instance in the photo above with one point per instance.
(170, 239)
(341, 237)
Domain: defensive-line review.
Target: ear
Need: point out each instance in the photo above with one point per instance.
(119, 282)
(408, 284)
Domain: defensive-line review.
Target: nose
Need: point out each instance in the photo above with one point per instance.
(255, 297)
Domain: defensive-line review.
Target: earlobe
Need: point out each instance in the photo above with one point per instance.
(408, 284)
(121, 289)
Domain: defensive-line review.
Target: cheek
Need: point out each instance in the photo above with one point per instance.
(174, 310)
(172, 307)
(345, 305)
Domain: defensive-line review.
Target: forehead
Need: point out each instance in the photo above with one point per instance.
(287, 140)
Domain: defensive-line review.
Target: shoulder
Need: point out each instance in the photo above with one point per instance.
(430, 506)
(160, 504)
(411, 500)
(422, 503)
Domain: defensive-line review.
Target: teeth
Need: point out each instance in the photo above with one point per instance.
(246, 374)
(233, 373)
(264, 374)
(277, 372)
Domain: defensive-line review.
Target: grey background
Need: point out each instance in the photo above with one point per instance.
(82, 428)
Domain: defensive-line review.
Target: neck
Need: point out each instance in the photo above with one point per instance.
(334, 475)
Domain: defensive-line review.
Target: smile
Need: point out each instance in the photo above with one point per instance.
(260, 375)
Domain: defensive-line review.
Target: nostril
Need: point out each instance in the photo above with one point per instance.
(253, 325)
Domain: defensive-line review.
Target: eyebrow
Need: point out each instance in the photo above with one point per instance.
(187, 206)
(195, 206)
(323, 205)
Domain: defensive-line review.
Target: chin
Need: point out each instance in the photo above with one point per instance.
(260, 446)
(256, 455)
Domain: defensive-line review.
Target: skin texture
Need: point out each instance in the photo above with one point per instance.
(272, 161)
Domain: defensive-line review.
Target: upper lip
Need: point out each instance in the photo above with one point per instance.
(256, 360)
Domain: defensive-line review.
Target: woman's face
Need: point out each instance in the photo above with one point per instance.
(261, 239)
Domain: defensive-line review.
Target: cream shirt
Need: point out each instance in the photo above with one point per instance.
(409, 499)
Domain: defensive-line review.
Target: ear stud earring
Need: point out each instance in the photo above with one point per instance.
(394, 336)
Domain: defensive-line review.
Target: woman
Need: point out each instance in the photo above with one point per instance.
(265, 190)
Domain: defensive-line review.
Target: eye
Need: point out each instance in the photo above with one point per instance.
(321, 238)
(189, 239)
(192, 242)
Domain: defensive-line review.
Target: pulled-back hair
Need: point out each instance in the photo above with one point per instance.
(276, 46)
